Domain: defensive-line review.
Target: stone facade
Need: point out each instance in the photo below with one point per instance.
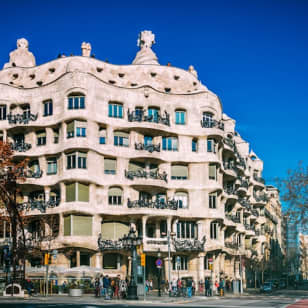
(144, 146)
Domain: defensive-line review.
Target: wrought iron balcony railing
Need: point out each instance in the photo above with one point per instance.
(258, 179)
(110, 244)
(140, 173)
(189, 244)
(229, 142)
(229, 166)
(212, 124)
(147, 147)
(245, 203)
(260, 198)
(23, 118)
(40, 205)
(255, 213)
(233, 218)
(232, 245)
(142, 117)
(157, 204)
(249, 227)
(229, 190)
(20, 146)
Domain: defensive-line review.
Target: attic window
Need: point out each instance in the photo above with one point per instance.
(188, 91)
(32, 76)
(167, 90)
(99, 69)
(39, 83)
(11, 82)
(153, 74)
(253, 157)
(194, 83)
(15, 76)
(176, 77)
(52, 70)
(121, 75)
(112, 81)
(133, 84)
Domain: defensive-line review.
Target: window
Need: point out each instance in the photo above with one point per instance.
(26, 111)
(110, 165)
(115, 110)
(76, 160)
(170, 143)
(115, 196)
(113, 230)
(102, 135)
(84, 258)
(179, 172)
(186, 229)
(208, 119)
(52, 165)
(2, 112)
(212, 172)
(214, 230)
(139, 112)
(194, 145)
(182, 265)
(182, 198)
(148, 140)
(41, 138)
(55, 135)
(153, 114)
(208, 259)
(47, 108)
(212, 200)
(76, 101)
(211, 145)
(77, 225)
(77, 192)
(1, 135)
(121, 139)
(180, 117)
(76, 128)
(110, 261)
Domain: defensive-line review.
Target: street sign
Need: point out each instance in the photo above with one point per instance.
(142, 263)
(210, 260)
(158, 262)
(178, 259)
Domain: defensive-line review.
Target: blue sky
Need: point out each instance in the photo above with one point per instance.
(252, 54)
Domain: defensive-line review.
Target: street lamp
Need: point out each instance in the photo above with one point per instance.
(159, 273)
(130, 241)
(169, 236)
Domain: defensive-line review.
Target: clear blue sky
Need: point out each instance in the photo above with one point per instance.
(252, 54)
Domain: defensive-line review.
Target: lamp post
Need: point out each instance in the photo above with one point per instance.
(169, 236)
(130, 242)
(159, 273)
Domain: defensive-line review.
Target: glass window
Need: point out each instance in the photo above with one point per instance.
(148, 140)
(208, 259)
(26, 111)
(170, 143)
(208, 119)
(48, 108)
(110, 261)
(182, 199)
(55, 135)
(77, 225)
(110, 165)
(52, 165)
(180, 117)
(2, 112)
(76, 102)
(181, 265)
(121, 139)
(76, 160)
(84, 258)
(212, 172)
(212, 200)
(76, 128)
(41, 138)
(211, 146)
(77, 192)
(194, 145)
(115, 110)
(153, 114)
(179, 172)
(115, 196)
(214, 229)
(187, 229)
(102, 135)
(139, 112)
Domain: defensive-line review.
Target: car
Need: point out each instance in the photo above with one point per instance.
(267, 287)
(274, 282)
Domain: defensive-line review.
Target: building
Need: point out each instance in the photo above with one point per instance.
(145, 146)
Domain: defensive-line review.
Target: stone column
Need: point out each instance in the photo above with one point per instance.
(98, 257)
(47, 192)
(166, 265)
(109, 135)
(200, 273)
(62, 192)
(78, 257)
(157, 229)
(144, 223)
(61, 224)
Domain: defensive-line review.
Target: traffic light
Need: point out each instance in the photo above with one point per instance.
(210, 266)
(142, 260)
(47, 258)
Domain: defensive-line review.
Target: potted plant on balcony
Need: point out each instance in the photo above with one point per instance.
(75, 289)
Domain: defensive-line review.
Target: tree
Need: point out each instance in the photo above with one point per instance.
(294, 192)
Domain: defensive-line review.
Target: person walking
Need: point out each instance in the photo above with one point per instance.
(97, 287)
(189, 288)
(207, 287)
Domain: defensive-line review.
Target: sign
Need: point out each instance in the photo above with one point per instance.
(46, 259)
(178, 259)
(210, 260)
(159, 262)
(142, 263)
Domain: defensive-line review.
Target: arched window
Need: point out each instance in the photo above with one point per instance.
(180, 117)
(76, 101)
(115, 196)
(182, 198)
(179, 172)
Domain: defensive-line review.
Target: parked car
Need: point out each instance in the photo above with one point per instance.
(274, 282)
(267, 287)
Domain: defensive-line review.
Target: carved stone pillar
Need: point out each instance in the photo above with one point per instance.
(78, 257)
(200, 274)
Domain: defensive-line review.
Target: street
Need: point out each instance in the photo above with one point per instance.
(281, 299)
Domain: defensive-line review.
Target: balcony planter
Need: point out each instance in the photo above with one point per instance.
(75, 292)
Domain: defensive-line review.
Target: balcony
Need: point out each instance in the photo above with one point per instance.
(20, 146)
(41, 205)
(142, 117)
(255, 213)
(229, 166)
(249, 227)
(212, 124)
(109, 244)
(232, 245)
(260, 198)
(245, 203)
(30, 174)
(258, 232)
(141, 173)
(229, 142)
(147, 147)
(23, 118)
(233, 218)
(229, 190)
(189, 244)
(157, 204)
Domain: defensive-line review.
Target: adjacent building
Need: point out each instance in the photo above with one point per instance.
(146, 146)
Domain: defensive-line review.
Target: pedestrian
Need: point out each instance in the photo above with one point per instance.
(97, 288)
(29, 287)
(216, 287)
(221, 287)
(189, 287)
(123, 288)
(193, 287)
(101, 285)
(151, 284)
(106, 287)
(207, 287)
(174, 286)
